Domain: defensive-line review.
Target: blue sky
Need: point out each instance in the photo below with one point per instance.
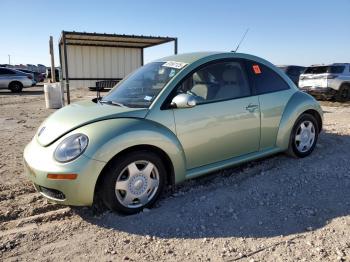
(283, 32)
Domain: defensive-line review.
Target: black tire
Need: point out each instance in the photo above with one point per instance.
(293, 149)
(16, 87)
(108, 193)
(343, 94)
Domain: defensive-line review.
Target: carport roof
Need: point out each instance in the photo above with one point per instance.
(112, 40)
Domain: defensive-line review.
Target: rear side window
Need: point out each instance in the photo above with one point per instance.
(265, 80)
(336, 69)
(324, 69)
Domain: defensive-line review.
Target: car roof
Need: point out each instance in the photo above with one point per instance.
(188, 57)
(289, 66)
(24, 70)
(12, 69)
(340, 63)
(334, 64)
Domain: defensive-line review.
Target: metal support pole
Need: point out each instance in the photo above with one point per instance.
(142, 58)
(175, 46)
(66, 65)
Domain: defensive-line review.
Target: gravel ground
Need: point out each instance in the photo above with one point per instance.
(275, 209)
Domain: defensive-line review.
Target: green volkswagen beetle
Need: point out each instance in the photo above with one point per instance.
(174, 119)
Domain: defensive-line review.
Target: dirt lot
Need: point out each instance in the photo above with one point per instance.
(276, 209)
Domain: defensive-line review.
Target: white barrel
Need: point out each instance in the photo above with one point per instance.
(54, 95)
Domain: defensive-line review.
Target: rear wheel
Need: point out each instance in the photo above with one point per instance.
(16, 87)
(304, 136)
(343, 94)
(133, 182)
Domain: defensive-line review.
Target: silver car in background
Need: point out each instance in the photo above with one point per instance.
(327, 81)
(28, 72)
(14, 79)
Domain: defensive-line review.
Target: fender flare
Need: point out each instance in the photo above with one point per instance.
(298, 104)
(110, 137)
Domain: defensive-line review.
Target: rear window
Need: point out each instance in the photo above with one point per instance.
(324, 69)
(5, 71)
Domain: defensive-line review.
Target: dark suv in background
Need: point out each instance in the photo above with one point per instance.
(293, 72)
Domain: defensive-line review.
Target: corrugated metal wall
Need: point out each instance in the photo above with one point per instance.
(99, 62)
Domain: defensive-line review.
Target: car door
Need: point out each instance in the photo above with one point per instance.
(274, 93)
(3, 78)
(225, 123)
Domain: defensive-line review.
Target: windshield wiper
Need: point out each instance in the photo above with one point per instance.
(111, 103)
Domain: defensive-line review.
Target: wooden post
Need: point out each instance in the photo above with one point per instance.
(53, 71)
(66, 65)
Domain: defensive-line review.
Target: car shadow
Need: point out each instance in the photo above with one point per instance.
(23, 93)
(334, 103)
(275, 196)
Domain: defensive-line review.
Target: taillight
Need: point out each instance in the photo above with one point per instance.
(302, 77)
(29, 76)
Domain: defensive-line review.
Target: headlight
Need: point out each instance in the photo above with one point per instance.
(71, 147)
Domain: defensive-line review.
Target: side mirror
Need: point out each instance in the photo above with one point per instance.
(183, 101)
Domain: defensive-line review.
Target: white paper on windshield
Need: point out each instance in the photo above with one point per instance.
(174, 64)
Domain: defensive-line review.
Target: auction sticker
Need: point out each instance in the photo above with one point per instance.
(256, 69)
(174, 64)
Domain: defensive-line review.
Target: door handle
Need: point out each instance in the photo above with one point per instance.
(251, 108)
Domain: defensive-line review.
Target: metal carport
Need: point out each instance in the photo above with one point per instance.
(94, 56)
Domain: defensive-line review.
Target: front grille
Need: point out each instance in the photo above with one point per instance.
(51, 193)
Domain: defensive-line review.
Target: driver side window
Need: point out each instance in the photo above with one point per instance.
(217, 82)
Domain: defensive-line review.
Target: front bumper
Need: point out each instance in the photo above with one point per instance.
(39, 162)
(322, 92)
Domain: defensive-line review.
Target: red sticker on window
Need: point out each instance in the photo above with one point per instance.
(256, 69)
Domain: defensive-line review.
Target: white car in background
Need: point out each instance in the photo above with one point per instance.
(327, 81)
(14, 80)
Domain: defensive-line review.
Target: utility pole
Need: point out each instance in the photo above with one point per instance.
(9, 59)
(53, 71)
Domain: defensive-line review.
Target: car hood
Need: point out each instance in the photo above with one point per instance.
(79, 114)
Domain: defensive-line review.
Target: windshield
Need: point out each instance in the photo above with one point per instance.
(324, 69)
(141, 87)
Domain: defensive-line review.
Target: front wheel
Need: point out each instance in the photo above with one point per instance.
(133, 182)
(304, 136)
